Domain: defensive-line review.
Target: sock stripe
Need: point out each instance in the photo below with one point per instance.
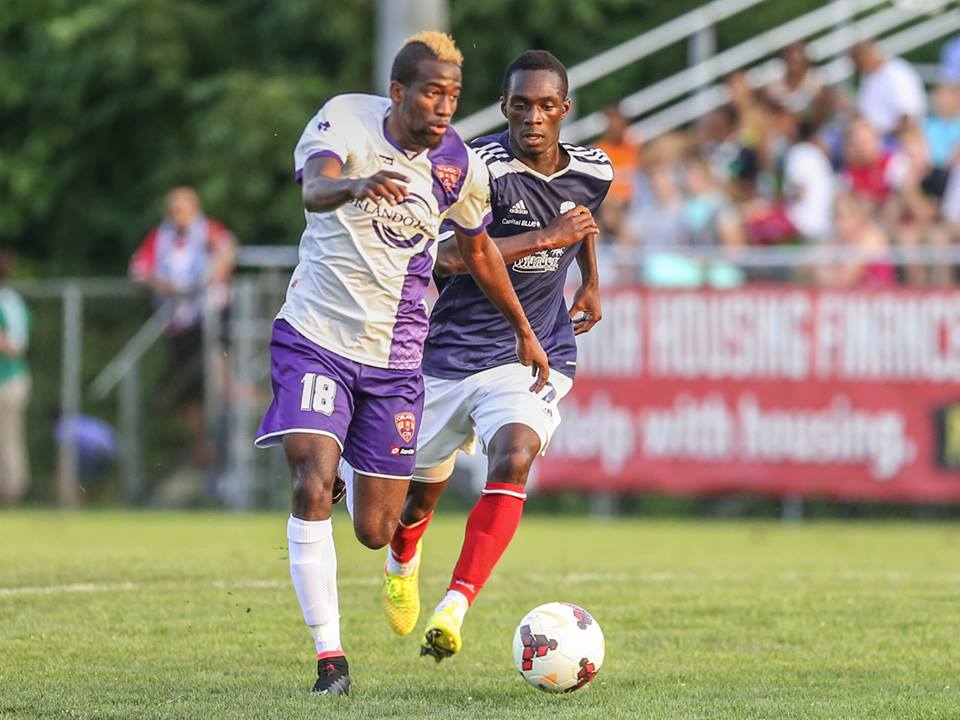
(330, 654)
(516, 491)
(418, 523)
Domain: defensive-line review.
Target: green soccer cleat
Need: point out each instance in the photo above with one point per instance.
(441, 638)
(401, 599)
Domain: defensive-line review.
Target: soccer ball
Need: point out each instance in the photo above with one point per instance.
(558, 647)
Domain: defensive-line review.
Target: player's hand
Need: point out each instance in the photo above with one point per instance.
(573, 226)
(530, 352)
(585, 310)
(384, 185)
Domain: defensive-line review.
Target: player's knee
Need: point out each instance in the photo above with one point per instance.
(420, 501)
(511, 465)
(374, 532)
(311, 489)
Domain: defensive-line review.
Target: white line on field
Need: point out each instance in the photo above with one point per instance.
(567, 578)
(130, 586)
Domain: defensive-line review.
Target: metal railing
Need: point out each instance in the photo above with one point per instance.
(680, 98)
(644, 45)
(833, 72)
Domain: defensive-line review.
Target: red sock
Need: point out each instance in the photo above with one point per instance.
(405, 539)
(490, 528)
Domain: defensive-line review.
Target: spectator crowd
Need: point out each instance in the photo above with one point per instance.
(868, 173)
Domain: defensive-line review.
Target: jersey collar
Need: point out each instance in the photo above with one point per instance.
(518, 164)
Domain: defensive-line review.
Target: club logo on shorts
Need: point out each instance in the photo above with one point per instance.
(406, 424)
(448, 175)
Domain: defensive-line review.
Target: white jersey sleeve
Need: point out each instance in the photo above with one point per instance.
(472, 213)
(324, 136)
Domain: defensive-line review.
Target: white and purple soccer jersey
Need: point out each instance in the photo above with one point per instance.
(364, 268)
(467, 333)
(347, 344)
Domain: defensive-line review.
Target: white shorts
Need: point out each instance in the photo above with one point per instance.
(458, 412)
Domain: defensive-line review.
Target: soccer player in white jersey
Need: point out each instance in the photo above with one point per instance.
(475, 388)
(379, 175)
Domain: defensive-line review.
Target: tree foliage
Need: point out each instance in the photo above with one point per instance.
(104, 104)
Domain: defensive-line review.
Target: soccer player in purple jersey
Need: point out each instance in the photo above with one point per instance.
(474, 387)
(379, 176)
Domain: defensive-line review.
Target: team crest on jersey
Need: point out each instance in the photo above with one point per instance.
(406, 425)
(448, 175)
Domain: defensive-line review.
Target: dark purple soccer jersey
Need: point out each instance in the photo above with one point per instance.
(467, 333)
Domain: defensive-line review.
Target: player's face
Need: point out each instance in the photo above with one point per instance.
(427, 106)
(534, 107)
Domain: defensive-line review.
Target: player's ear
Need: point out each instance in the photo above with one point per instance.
(566, 105)
(397, 91)
(503, 106)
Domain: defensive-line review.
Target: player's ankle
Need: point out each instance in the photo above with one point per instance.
(395, 566)
(457, 602)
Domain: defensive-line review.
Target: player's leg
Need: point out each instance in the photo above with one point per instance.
(313, 461)
(310, 414)
(490, 528)
(515, 426)
(445, 427)
(381, 449)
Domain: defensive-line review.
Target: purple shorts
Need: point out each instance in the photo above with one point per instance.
(373, 413)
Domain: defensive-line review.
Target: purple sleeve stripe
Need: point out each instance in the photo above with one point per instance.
(319, 153)
(487, 219)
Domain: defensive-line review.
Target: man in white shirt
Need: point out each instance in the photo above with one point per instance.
(891, 91)
(808, 184)
(379, 175)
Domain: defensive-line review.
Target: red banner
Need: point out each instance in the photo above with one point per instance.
(852, 395)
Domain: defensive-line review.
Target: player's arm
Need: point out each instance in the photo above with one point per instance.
(325, 190)
(563, 231)
(485, 263)
(585, 310)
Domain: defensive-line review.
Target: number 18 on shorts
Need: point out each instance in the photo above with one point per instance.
(373, 413)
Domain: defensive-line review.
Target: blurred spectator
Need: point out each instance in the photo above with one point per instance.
(14, 389)
(94, 442)
(800, 90)
(709, 218)
(891, 91)
(808, 184)
(855, 230)
(751, 134)
(657, 224)
(624, 156)
(942, 126)
(871, 171)
(950, 62)
(919, 220)
(187, 261)
(717, 137)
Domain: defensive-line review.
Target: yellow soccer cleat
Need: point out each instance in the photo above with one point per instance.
(401, 599)
(441, 638)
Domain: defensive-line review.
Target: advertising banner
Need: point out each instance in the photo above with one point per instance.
(845, 395)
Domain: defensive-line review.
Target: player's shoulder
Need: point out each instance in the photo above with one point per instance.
(492, 149)
(357, 105)
(590, 161)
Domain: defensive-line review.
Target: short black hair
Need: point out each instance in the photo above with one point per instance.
(537, 60)
(406, 65)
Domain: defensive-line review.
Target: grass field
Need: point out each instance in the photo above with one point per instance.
(122, 615)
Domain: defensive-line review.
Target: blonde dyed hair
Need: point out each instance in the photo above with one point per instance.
(440, 44)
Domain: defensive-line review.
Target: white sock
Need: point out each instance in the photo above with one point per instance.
(459, 602)
(346, 474)
(395, 567)
(313, 570)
